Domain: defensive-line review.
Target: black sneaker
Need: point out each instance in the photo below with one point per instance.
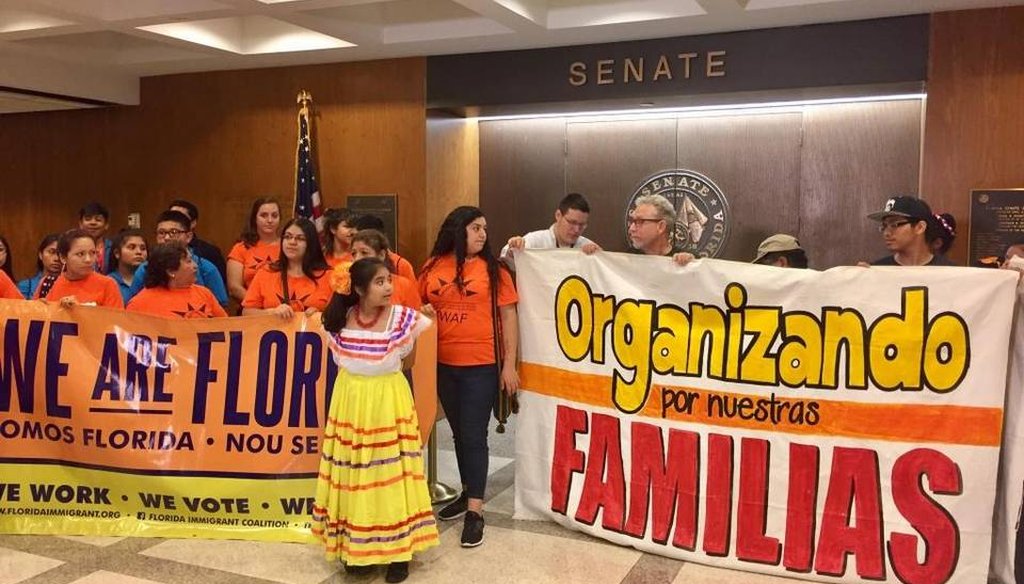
(472, 530)
(455, 509)
(397, 572)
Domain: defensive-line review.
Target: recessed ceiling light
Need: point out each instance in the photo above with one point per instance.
(249, 35)
(21, 20)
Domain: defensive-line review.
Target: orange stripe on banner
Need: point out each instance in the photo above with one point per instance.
(948, 424)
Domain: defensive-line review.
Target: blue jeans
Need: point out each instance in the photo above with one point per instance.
(467, 395)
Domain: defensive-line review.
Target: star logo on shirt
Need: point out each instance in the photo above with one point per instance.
(259, 262)
(445, 287)
(200, 311)
(296, 302)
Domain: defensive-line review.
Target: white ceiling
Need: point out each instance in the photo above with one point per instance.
(98, 49)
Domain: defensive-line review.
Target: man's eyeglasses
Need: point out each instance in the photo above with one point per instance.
(883, 227)
(639, 221)
(169, 232)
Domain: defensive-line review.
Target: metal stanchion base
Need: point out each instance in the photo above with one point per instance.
(441, 493)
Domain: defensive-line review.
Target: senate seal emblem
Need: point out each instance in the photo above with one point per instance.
(702, 213)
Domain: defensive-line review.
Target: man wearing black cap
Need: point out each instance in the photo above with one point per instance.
(903, 222)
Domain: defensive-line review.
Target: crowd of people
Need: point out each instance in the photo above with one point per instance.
(373, 306)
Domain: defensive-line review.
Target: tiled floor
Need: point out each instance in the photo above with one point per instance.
(514, 551)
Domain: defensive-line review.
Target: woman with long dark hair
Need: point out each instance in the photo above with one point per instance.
(372, 505)
(170, 286)
(257, 247)
(48, 267)
(297, 281)
(464, 282)
(80, 283)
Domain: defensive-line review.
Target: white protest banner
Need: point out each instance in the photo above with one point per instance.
(1007, 551)
(838, 426)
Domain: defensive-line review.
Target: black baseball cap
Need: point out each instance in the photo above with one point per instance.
(903, 206)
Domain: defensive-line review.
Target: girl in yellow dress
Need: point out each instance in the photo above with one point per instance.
(372, 504)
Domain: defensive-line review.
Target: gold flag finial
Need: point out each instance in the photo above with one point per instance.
(304, 98)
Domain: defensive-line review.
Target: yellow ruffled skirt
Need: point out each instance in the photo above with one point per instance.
(372, 504)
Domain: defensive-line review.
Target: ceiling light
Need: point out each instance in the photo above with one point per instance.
(249, 35)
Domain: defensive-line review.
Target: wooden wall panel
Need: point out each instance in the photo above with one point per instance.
(815, 174)
(522, 172)
(755, 160)
(221, 139)
(453, 169)
(606, 162)
(855, 156)
(974, 130)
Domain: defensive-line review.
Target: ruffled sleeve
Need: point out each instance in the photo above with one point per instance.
(407, 325)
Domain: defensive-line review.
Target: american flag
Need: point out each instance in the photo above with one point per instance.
(307, 193)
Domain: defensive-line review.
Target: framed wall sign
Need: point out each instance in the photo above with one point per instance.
(997, 221)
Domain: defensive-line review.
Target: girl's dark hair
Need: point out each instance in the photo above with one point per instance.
(314, 266)
(7, 267)
(362, 273)
(332, 219)
(251, 236)
(943, 227)
(451, 239)
(378, 242)
(69, 237)
(163, 258)
(115, 246)
(45, 243)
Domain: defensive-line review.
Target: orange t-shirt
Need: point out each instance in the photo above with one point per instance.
(333, 260)
(193, 302)
(402, 266)
(254, 258)
(265, 291)
(8, 289)
(94, 288)
(405, 292)
(465, 329)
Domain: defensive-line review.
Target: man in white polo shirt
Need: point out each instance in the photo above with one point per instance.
(566, 232)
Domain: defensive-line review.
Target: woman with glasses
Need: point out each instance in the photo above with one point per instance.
(297, 281)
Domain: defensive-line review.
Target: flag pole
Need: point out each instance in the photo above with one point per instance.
(304, 98)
